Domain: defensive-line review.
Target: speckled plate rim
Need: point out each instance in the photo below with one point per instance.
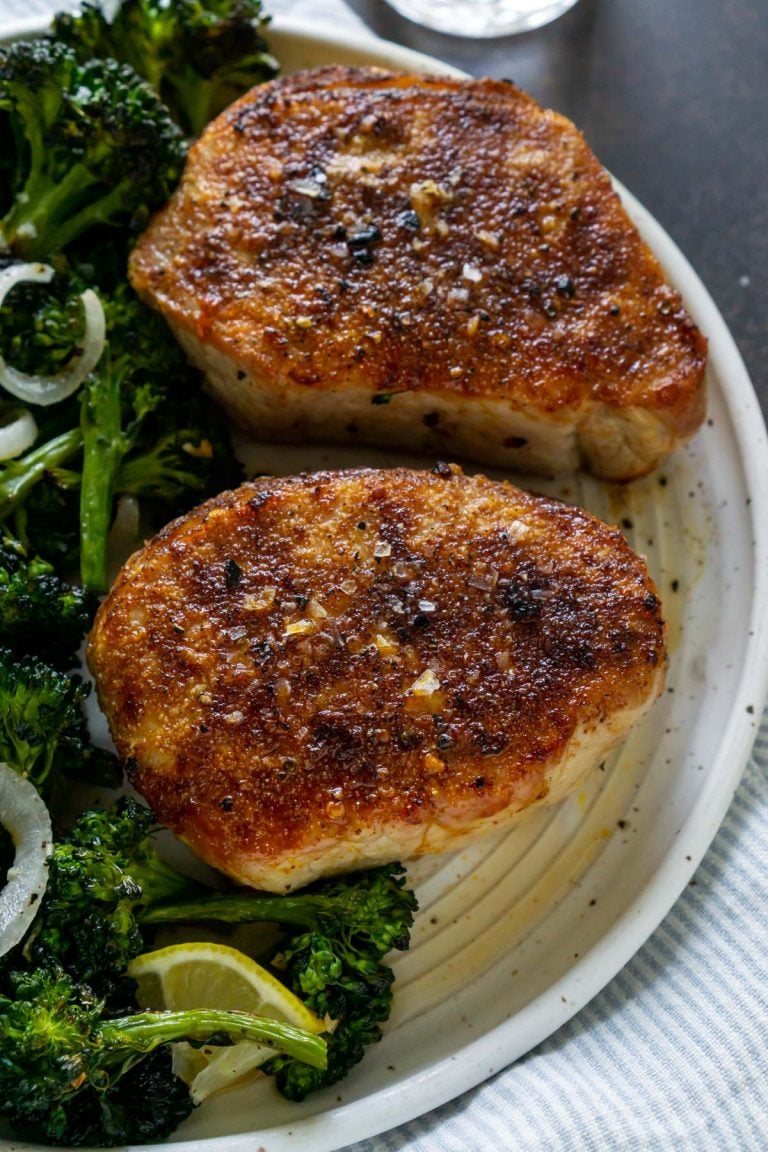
(472, 1063)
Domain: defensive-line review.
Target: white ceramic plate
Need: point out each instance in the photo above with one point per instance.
(517, 933)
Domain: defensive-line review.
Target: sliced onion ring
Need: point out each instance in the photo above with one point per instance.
(26, 817)
(18, 434)
(45, 390)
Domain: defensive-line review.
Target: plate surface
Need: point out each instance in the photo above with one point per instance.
(518, 932)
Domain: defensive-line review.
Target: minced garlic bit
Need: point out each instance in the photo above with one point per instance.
(433, 763)
(387, 645)
(299, 627)
(483, 577)
(428, 191)
(490, 239)
(261, 602)
(472, 272)
(304, 321)
(458, 295)
(426, 684)
(381, 549)
(316, 610)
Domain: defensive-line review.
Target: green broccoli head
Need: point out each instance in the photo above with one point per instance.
(92, 145)
(46, 1040)
(70, 1074)
(47, 520)
(199, 55)
(41, 325)
(42, 726)
(87, 31)
(40, 614)
(334, 962)
(100, 874)
(344, 983)
(338, 969)
(173, 467)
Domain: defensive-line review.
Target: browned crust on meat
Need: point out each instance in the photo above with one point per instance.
(256, 252)
(257, 659)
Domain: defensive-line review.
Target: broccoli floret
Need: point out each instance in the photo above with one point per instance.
(107, 885)
(170, 470)
(100, 875)
(340, 982)
(139, 425)
(136, 438)
(48, 521)
(43, 732)
(44, 461)
(40, 614)
(336, 967)
(92, 145)
(70, 1074)
(41, 326)
(41, 719)
(199, 55)
(86, 31)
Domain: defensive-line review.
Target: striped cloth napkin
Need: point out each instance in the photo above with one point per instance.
(672, 1056)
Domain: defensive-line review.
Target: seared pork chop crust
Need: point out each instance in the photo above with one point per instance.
(426, 261)
(333, 670)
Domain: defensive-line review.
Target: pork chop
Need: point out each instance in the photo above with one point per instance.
(426, 262)
(330, 671)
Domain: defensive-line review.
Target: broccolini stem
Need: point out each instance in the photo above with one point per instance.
(304, 910)
(19, 476)
(100, 424)
(32, 227)
(144, 1031)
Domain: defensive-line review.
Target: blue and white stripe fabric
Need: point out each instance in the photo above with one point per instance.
(672, 1056)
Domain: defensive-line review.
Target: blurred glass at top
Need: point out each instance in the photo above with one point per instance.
(482, 18)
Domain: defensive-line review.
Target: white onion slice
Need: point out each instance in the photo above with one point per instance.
(45, 390)
(26, 817)
(18, 434)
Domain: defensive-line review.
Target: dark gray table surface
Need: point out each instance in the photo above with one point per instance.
(672, 95)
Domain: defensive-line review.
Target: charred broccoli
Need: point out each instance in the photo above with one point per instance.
(138, 426)
(43, 732)
(101, 875)
(41, 327)
(72, 1075)
(107, 884)
(199, 55)
(40, 614)
(335, 964)
(41, 719)
(92, 144)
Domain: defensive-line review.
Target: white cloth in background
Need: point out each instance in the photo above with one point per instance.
(673, 1055)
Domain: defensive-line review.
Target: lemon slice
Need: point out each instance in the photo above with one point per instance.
(187, 976)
